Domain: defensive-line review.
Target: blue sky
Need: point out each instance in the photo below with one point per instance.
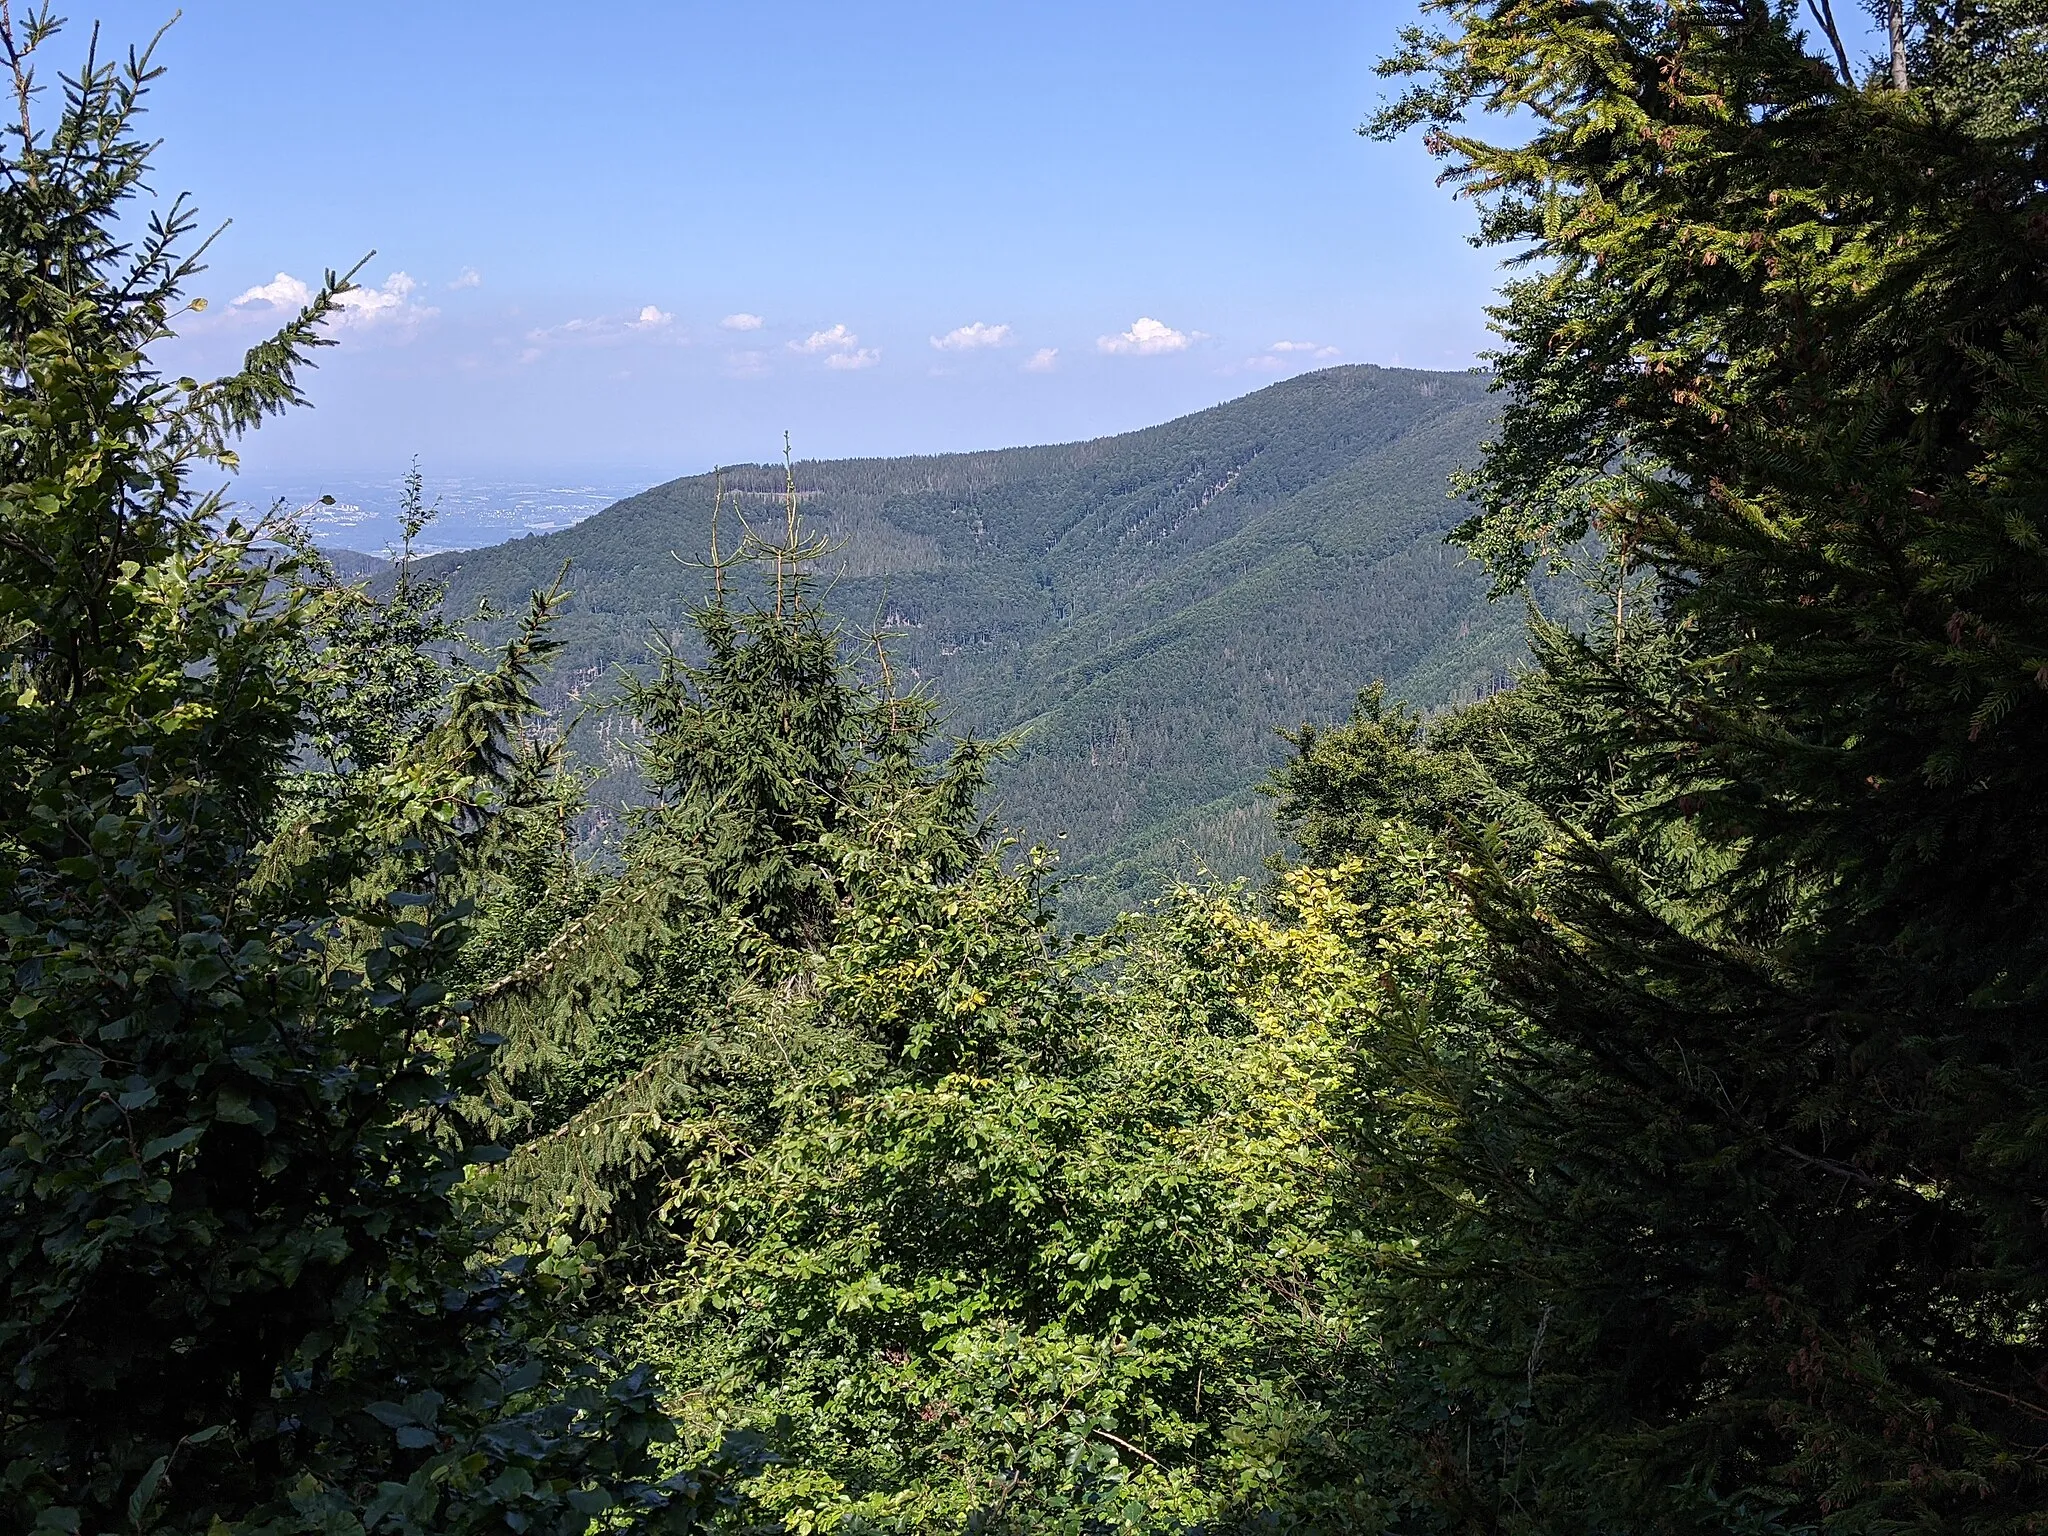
(623, 237)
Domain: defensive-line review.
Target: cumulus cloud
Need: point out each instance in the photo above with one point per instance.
(839, 347)
(1312, 348)
(389, 304)
(742, 322)
(650, 319)
(1148, 338)
(282, 292)
(838, 339)
(1042, 361)
(468, 277)
(969, 338)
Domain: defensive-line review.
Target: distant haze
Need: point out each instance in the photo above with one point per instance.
(470, 511)
(654, 235)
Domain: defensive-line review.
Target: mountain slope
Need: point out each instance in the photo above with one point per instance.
(1152, 606)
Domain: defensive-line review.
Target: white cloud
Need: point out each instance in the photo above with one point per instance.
(968, 338)
(839, 347)
(282, 292)
(742, 322)
(607, 330)
(1148, 338)
(568, 329)
(1042, 360)
(1283, 355)
(838, 339)
(468, 277)
(390, 304)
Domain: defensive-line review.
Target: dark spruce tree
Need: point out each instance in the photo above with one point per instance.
(1746, 1227)
(240, 1287)
(787, 788)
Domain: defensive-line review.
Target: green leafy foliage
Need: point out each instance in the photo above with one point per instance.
(969, 1225)
(1736, 1223)
(1627, 1116)
(1015, 1236)
(240, 1288)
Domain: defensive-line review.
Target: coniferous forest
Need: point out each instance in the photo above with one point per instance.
(1625, 1109)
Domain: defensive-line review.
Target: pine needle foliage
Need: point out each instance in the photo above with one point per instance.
(1742, 1227)
(786, 787)
(238, 1287)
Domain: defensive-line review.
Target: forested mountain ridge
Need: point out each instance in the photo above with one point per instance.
(1149, 607)
(1628, 1114)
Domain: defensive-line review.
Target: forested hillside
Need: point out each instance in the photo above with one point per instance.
(1149, 609)
(1627, 1114)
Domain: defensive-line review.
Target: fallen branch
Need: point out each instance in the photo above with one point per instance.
(1124, 1445)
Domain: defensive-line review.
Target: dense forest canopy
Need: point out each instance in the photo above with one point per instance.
(1626, 1115)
